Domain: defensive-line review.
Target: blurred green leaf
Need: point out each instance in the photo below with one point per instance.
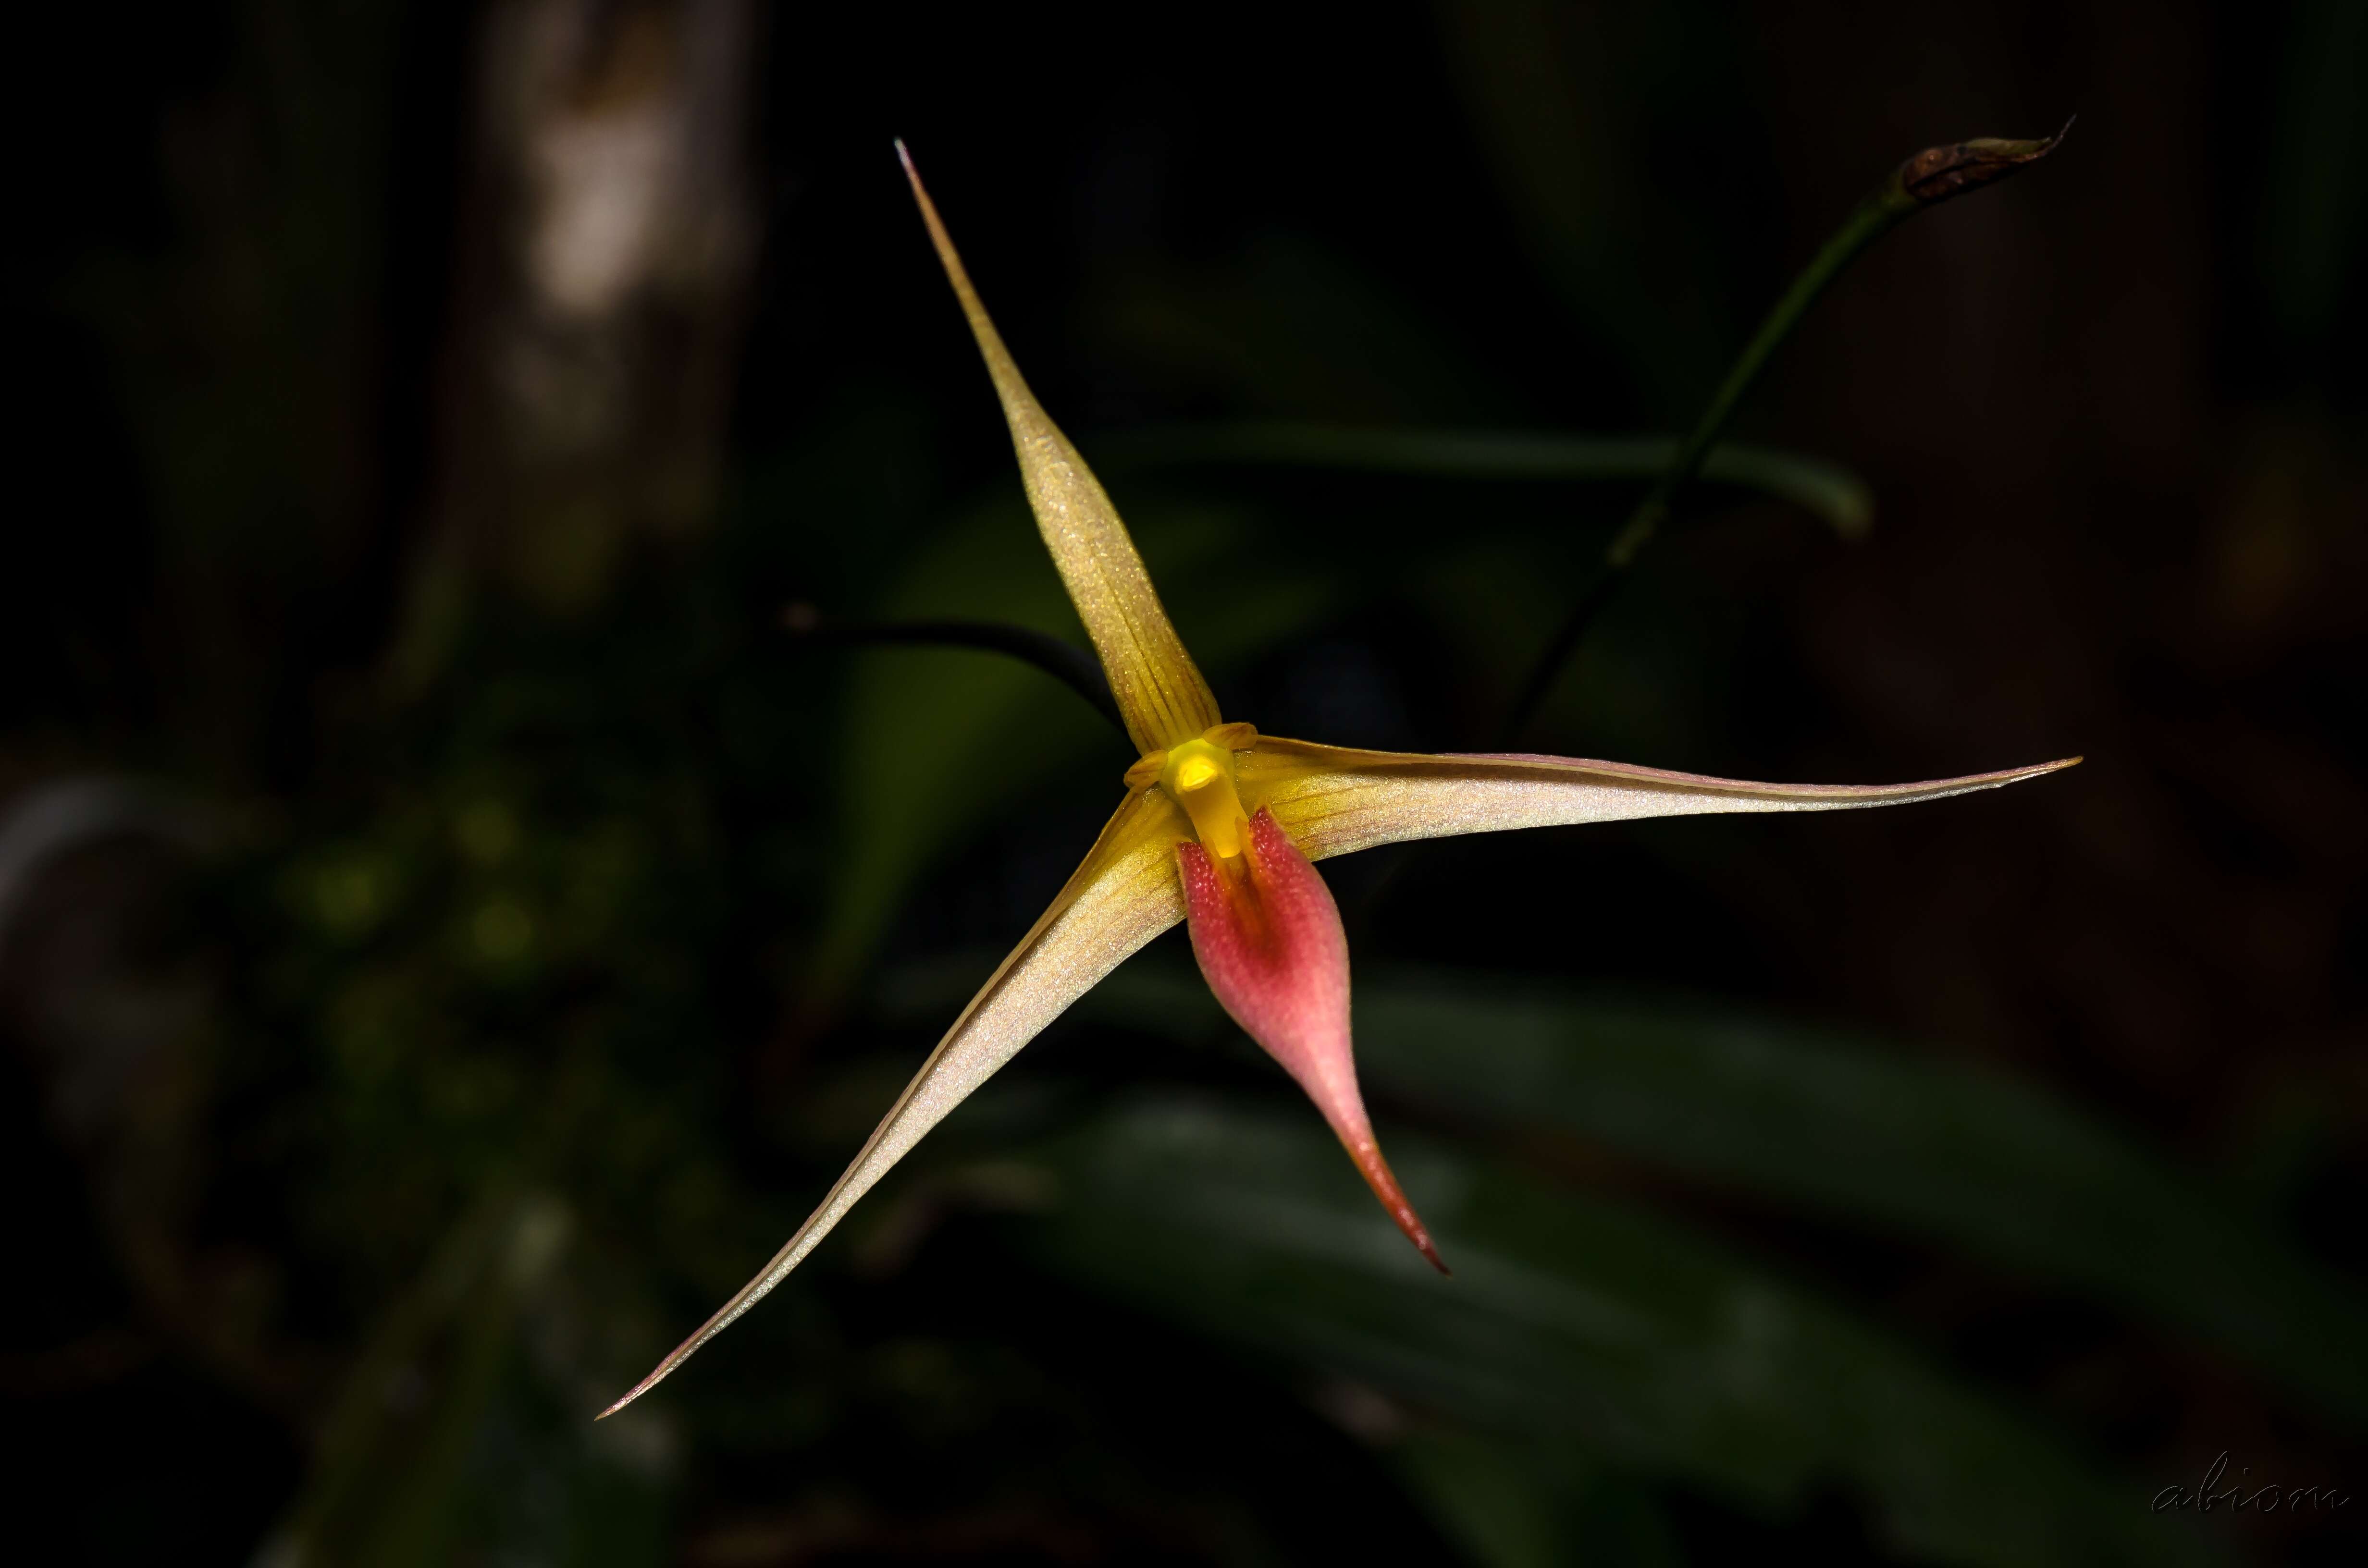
(462, 1432)
(1568, 1320)
(1825, 489)
(1544, 89)
(1936, 1150)
(1510, 1503)
(2312, 231)
(1284, 328)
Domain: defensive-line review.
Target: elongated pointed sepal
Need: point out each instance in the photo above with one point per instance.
(1123, 895)
(1337, 799)
(1269, 938)
(1159, 689)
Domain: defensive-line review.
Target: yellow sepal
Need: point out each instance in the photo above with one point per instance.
(1159, 690)
(1337, 799)
(1123, 894)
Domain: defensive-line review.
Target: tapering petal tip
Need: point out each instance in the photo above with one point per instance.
(657, 1377)
(2039, 770)
(1269, 939)
(678, 1355)
(1378, 1176)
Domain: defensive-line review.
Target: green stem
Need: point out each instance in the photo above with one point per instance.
(1874, 218)
(1925, 180)
(1062, 660)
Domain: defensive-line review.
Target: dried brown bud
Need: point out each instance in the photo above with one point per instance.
(1938, 173)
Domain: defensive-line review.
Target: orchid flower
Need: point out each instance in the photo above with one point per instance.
(1220, 827)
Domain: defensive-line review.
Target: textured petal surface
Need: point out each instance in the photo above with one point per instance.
(1335, 800)
(1159, 689)
(1124, 894)
(1269, 938)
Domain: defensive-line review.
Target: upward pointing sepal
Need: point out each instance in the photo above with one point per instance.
(1158, 687)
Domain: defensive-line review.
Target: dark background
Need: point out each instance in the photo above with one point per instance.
(450, 932)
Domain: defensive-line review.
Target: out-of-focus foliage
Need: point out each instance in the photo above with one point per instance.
(1935, 1150)
(480, 976)
(1573, 1320)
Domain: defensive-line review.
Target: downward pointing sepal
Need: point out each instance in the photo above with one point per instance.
(1269, 938)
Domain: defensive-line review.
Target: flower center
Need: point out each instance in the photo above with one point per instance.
(1199, 777)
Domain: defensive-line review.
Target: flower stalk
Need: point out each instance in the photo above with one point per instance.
(1931, 177)
(1057, 656)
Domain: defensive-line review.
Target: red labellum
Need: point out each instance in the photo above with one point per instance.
(1269, 938)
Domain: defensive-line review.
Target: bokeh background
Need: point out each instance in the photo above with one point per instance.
(450, 931)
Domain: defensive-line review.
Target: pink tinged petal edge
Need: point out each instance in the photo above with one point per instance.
(1269, 938)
